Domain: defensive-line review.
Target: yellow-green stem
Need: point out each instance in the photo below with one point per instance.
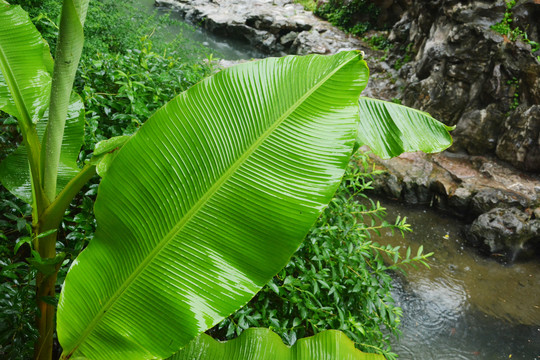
(45, 285)
(68, 53)
(69, 49)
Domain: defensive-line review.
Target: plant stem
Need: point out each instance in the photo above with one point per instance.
(68, 54)
(52, 216)
(69, 49)
(45, 285)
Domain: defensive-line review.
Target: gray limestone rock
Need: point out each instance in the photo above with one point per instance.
(464, 73)
(275, 27)
(508, 232)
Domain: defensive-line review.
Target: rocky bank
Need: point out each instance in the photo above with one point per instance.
(452, 65)
(465, 74)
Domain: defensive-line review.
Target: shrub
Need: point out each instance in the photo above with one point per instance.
(356, 16)
(122, 90)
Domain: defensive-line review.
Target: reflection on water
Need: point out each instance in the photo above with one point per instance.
(466, 306)
(221, 47)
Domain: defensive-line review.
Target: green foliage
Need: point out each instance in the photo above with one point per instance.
(309, 5)
(379, 42)
(356, 16)
(200, 155)
(122, 90)
(263, 344)
(194, 204)
(407, 57)
(45, 15)
(514, 87)
(338, 278)
(107, 29)
(155, 77)
(17, 291)
(512, 31)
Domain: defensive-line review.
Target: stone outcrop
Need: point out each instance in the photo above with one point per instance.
(466, 74)
(502, 204)
(488, 86)
(275, 27)
(508, 232)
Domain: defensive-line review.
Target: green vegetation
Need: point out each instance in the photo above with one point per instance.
(514, 86)
(512, 31)
(356, 16)
(124, 68)
(195, 213)
(405, 59)
(378, 42)
(309, 5)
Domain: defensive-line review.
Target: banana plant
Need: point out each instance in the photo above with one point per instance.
(198, 209)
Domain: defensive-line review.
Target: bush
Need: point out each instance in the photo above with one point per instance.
(17, 301)
(338, 278)
(120, 91)
(356, 16)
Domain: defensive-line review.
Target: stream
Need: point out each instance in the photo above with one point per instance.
(222, 48)
(465, 306)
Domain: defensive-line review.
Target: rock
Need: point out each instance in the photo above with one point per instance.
(464, 73)
(520, 143)
(506, 231)
(460, 200)
(489, 198)
(274, 27)
(478, 130)
(288, 39)
(465, 186)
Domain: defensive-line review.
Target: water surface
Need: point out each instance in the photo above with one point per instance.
(220, 47)
(466, 306)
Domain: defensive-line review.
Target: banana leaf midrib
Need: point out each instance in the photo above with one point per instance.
(200, 203)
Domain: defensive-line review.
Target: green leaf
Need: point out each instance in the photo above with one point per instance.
(46, 233)
(105, 152)
(14, 170)
(22, 241)
(25, 64)
(207, 202)
(390, 129)
(105, 162)
(263, 344)
(110, 145)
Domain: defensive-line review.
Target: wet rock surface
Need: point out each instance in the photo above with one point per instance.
(501, 203)
(508, 232)
(276, 27)
(281, 27)
(466, 74)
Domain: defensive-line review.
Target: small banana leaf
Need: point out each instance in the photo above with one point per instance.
(391, 129)
(263, 344)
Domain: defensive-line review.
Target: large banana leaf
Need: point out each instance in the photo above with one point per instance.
(207, 202)
(390, 129)
(25, 67)
(14, 170)
(263, 344)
